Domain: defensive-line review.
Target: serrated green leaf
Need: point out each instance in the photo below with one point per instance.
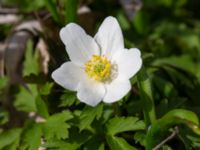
(46, 88)
(10, 137)
(56, 126)
(122, 124)
(89, 114)
(68, 99)
(25, 100)
(118, 143)
(31, 137)
(41, 107)
(74, 142)
(59, 145)
(140, 137)
(77, 138)
(31, 65)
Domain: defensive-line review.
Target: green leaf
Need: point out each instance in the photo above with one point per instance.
(190, 140)
(46, 88)
(94, 143)
(4, 117)
(9, 137)
(42, 108)
(139, 137)
(195, 141)
(122, 124)
(123, 21)
(160, 128)
(31, 65)
(31, 137)
(183, 62)
(179, 77)
(25, 100)
(70, 10)
(3, 82)
(146, 96)
(101, 147)
(52, 7)
(165, 87)
(118, 143)
(166, 147)
(56, 126)
(59, 145)
(141, 22)
(89, 114)
(68, 99)
(75, 140)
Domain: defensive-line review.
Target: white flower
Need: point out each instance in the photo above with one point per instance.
(100, 67)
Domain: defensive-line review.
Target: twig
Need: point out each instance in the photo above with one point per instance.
(174, 133)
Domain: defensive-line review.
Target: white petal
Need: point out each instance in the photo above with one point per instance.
(80, 46)
(91, 92)
(68, 75)
(109, 37)
(129, 62)
(116, 90)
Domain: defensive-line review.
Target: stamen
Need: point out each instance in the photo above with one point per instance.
(98, 68)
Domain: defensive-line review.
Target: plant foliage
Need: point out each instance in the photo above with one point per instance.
(37, 113)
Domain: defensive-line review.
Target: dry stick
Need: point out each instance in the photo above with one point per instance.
(174, 133)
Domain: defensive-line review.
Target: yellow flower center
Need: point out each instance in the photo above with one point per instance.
(98, 68)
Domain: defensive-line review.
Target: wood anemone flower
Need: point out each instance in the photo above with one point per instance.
(100, 67)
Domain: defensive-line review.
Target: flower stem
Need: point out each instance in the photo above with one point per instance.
(146, 97)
